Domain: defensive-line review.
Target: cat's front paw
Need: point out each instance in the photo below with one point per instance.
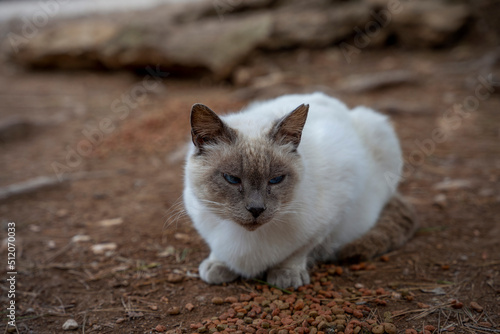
(288, 277)
(216, 272)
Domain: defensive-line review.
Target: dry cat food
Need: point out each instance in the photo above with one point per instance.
(315, 309)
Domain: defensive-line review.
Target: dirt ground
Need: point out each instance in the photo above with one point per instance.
(122, 138)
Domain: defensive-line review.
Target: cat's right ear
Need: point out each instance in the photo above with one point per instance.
(208, 128)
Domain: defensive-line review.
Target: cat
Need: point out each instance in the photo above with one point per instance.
(291, 181)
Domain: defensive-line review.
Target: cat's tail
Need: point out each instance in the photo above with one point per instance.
(396, 225)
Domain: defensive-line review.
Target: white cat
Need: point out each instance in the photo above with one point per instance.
(293, 178)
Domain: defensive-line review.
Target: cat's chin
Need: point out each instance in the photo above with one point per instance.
(252, 225)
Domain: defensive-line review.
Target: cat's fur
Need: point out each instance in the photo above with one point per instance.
(295, 178)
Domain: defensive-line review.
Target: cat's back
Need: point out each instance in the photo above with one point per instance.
(259, 117)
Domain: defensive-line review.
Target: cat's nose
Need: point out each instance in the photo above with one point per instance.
(256, 210)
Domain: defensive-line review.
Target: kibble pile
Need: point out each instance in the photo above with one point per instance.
(317, 308)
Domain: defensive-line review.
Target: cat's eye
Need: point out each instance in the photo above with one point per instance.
(277, 179)
(231, 179)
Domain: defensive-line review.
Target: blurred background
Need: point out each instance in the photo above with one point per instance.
(94, 123)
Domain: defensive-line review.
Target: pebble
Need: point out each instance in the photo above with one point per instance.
(70, 325)
(377, 329)
(160, 328)
(189, 307)
(174, 310)
(384, 258)
(110, 222)
(174, 278)
(80, 238)
(440, 200)
(99, 249)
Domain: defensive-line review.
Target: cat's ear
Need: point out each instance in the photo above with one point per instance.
(288, 130)
(208, 128)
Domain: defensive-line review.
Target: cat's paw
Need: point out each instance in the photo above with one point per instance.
(216, 272)
(288, 277)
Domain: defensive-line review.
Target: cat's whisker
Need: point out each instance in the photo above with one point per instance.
(211, 202)
(174, 213)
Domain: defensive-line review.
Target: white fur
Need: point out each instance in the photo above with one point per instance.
(347, 156)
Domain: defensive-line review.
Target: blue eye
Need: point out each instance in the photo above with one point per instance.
(231, 179)
(277, 180)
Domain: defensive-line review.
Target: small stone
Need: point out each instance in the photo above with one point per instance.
(61, 213)
(160, 328)
(430, 328)
(440, 200)
(70, 325)
(476, 307)
(217, 301)
(99, 249)
(110, 222)
(174, 310)
(29, 310)
(189, 307)
(80, 238)
(120, 320)
(174, 278)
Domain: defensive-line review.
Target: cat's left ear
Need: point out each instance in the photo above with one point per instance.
(208, 128)
(288, 130)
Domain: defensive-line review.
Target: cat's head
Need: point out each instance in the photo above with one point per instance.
(248, 180)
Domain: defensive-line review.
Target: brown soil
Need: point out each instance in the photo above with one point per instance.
(455, 254)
